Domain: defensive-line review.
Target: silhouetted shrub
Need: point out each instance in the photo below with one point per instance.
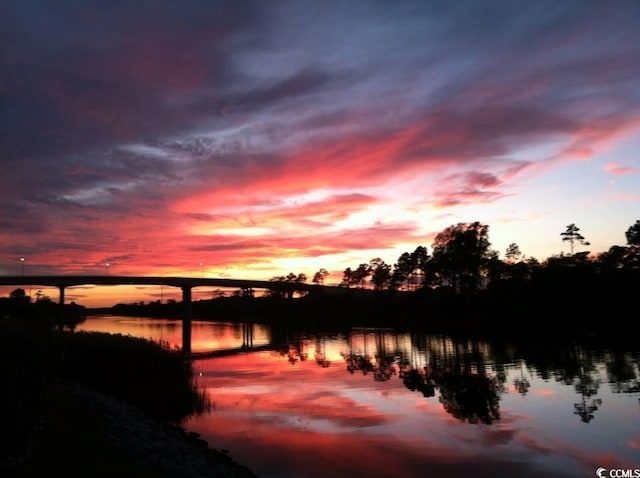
(25, 372)
(148, 375)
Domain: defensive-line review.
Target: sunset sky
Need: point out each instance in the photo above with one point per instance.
(251, 139)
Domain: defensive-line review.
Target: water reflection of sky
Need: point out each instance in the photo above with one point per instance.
(284, 416)
(205, 335)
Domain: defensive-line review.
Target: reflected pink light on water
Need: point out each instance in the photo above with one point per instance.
(205, 335)
(544, 392)
(224, 336)
(284, 412)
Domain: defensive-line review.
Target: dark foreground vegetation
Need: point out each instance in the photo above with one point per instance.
(53, 383)
(41, 309)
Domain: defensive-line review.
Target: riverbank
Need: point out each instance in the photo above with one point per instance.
(91, 404)
(85, 433)
(562, 314)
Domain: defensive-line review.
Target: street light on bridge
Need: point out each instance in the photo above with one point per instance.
(106, 268)
(22, 261)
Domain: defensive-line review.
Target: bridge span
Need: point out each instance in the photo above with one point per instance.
(184, 283)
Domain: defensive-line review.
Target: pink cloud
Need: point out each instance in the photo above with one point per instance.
(235, 146)
(618, 170)
(634, 443)
(468, 187)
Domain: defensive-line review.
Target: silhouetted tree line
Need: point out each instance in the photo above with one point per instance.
(461, 277)
(21, 305)
(462, 259)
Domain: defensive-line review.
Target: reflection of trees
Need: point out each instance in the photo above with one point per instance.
(468, 376)
(575, 366)
(294, 353)
(586, 386)
(292, 347)
(578, 369)
(381, 364)
(581, 367)
(585, 409)
(383, 368)
(521, 383)
(418, 382)
(622, 373)
(456, 368)
(470, 397)
(321, 354)
(466, 390)
(358, 361)
(413, 375)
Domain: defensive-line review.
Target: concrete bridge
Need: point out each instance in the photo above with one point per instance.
(184, 283)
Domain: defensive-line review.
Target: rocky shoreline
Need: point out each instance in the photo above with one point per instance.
(169, 450)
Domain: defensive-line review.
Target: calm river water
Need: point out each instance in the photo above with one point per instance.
(377, 403)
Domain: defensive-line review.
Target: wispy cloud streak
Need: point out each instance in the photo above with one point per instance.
(264, 129)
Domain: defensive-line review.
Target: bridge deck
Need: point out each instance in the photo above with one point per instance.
(75, 280)
(185, 283)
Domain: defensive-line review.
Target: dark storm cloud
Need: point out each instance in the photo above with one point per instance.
(122, 109)
(79, 76)
(299, 84)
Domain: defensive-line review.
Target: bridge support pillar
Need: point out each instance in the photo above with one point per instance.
(61, 301)
(247, 335)
(186, 319)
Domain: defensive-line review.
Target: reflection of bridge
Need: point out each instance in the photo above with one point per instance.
(246, 347)
(229, 352)
(184, 283)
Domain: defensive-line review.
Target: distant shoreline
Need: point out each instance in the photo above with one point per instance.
(514, 317)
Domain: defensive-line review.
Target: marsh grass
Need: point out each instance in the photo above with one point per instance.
(149, 375)
(26, 374)
(34, 360)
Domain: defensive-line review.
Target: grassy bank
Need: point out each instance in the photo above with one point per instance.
(146, 374)
(47, 429)
(74, 441)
